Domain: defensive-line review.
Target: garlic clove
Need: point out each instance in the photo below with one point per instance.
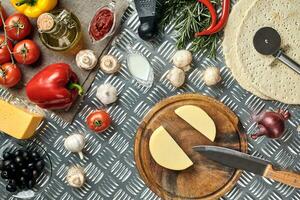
(75, 143)
(109, 64)
(86, 59)
(107, 94)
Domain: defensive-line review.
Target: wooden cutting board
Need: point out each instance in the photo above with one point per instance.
(84, 10)
(206, 179)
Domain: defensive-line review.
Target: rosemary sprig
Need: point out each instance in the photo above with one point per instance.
(189, 17)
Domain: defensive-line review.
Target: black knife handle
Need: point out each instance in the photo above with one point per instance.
(147, 29)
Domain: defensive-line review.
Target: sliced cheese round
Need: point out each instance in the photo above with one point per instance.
(166, 152)
(198, 119)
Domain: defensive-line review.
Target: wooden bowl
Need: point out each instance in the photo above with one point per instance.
(204, 180)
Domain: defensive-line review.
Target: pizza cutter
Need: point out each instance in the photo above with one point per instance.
(147, 13)
(267, 41)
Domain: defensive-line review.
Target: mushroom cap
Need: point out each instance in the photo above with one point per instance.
(86, 59)
(211, 76)
(109, 64)
(182, 58)
(176, 76)
(76, 177)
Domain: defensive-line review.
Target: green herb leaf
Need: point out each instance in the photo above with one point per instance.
(189, 17)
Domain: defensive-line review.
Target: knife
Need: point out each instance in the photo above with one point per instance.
(239, 160)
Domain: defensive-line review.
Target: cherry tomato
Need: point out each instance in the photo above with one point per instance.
(3, 14)
(98, 121)
(4, 52)
(26, 52)
(17, 26)
(10, 75)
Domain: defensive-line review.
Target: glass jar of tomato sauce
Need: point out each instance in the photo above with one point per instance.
(103, 23)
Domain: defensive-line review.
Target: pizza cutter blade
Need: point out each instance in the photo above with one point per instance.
(267, 41)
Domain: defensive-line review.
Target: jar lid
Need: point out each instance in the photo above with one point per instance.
(45, 22)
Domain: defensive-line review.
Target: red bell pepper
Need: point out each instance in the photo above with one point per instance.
(54, 87)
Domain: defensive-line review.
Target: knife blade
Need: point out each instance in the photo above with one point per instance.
(243, 161)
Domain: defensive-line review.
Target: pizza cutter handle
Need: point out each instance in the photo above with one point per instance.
(288, 61)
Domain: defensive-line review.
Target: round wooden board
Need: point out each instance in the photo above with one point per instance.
(204, 180)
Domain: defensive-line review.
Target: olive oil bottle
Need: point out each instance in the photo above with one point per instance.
(60, 30)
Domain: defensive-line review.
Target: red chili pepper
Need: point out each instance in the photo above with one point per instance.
(55, 87)
(212, 12)
(222, 22)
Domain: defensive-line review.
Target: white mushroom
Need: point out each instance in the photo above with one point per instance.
(75, 143)
(211, 76)
(183, 59)
(176, 76)
(107, 94)
(86, 59)
(76, 177)
(109, 64)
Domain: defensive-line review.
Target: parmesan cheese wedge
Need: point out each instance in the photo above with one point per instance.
(166, 152)
(198, 119)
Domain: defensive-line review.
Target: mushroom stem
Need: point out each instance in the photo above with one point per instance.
(80, 155)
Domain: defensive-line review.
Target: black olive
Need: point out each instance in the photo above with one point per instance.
(30, 184)
(5, 175)
(35, 174)
(7, 155)
(39, 165)
(25, 172)
(25, 156)
(30, 166)
(19, 161)
(11, 188)
(12, 182)
(6, 164)
(22, 182)
(1, 165)
(12, 166)
(35, 156)
(18, 153)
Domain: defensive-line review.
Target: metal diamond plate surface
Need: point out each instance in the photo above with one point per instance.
(109, 162)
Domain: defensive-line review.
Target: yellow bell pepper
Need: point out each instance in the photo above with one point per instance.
(33, 8)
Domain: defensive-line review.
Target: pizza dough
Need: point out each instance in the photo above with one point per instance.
(229, 48)
(269, 76)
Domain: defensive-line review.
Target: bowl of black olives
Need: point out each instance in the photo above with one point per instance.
(25, 168)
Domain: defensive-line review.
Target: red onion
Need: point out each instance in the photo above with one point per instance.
(271, 124)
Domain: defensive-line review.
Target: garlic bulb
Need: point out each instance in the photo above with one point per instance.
(109, 64)
(106, 93)
(211, 76)
(182, 59)
(76, 177)
(86, 59)
(176, 76)
(75, 143)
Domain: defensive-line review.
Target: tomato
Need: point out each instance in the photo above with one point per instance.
(4, 52)
(18, 26)
(10, 75)
(26, 52)
(98, 121)
(3, 14)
